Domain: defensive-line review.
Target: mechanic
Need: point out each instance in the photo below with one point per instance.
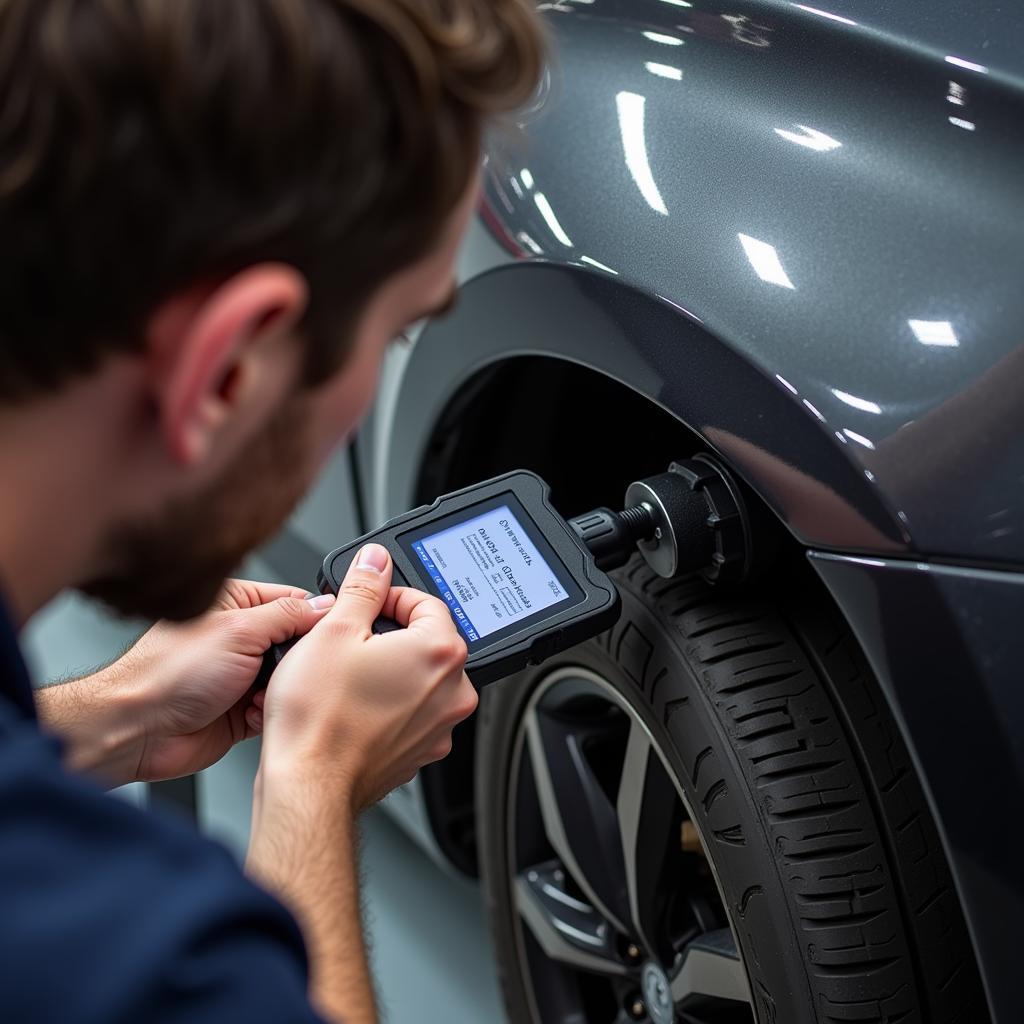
(215, 215)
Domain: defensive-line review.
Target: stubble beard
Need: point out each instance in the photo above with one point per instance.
(173, 565)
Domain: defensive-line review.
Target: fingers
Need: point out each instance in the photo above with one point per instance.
(364, 589)
(251, 594)
(283, 619)
(254, 722)
(254, 714)
(419, 612)
(402, 601)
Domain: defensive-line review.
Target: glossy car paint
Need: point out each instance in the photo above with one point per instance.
(799, 230)
(837, 201)
(651, 346)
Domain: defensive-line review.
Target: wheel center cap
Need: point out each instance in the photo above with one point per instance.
(657, 993)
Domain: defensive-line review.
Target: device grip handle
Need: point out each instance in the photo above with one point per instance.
(272, 657)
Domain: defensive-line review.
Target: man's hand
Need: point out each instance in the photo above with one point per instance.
(348, 716)
(366, 710)
(180, 698)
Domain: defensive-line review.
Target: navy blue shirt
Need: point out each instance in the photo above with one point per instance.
(111, 915)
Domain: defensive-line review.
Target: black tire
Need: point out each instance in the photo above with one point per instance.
(793, 772)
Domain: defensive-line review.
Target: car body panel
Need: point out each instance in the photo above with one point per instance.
(840, 205)
(645, 343)
(989, 35)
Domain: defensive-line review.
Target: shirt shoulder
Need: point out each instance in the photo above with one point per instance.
(111, 914)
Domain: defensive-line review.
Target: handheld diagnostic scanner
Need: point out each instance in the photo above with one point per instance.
(521, 583)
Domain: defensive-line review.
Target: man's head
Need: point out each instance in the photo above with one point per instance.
(215, 215)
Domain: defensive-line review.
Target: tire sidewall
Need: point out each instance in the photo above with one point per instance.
(645, 661)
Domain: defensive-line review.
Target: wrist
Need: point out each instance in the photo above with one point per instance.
(298, 818)
(304, 782)
(101, 721)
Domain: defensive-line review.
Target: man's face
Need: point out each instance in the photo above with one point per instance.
(173, 564)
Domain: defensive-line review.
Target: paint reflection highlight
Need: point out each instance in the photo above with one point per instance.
(631, 109)
(765, 261)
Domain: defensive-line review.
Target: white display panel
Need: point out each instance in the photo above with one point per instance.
(489, 572)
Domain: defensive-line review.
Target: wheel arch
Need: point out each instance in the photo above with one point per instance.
(592, 384)
(655, 350)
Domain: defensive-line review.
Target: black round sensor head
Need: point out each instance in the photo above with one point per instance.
(699, 521)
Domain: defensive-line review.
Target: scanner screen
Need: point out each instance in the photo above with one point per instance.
(489, 572)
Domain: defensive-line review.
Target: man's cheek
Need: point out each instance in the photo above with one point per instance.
(337, 414)
(343, 405)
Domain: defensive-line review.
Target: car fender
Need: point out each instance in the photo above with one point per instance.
(830, 196)
(653, 347)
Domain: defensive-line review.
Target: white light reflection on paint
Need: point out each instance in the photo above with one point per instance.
(857, 403)
(658, 37)
(600, 266)
(785, 383)
(809, 137)
(765, 261)
(678, 3)
(529, 242)
(859, 438)
(842, 437)
(968, 64)
(505, 201)
(957, 94)
(935, 332)
(825, 14)
(959, 122)
(664, 70)
(682, 309)
(814, 410)
(526, 178)
(631, 125)
(551, 220)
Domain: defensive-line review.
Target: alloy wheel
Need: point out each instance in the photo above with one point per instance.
(620, 912)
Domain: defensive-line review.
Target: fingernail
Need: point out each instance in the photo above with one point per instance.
(374, 557)
(321, 601)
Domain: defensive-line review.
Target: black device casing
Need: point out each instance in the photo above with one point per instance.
(487, 662)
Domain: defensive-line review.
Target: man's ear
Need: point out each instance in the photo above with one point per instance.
(213, 359)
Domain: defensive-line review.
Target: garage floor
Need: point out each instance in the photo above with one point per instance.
(430, 946)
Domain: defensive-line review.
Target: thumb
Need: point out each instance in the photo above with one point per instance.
(365, 587)
(281, 620)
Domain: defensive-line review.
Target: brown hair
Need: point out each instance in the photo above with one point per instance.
(146, 145)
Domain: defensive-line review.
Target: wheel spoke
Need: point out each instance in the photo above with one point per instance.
(646, 809)
(710, 968)
(579, 819)
(567, 929)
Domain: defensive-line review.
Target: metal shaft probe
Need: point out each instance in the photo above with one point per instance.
(689, 519)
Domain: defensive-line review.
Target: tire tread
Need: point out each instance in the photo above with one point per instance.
(804, 772)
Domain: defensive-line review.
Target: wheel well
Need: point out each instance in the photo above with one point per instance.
(547, 408)
(589, 437)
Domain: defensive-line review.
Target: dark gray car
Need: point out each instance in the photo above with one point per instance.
(791, 237)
